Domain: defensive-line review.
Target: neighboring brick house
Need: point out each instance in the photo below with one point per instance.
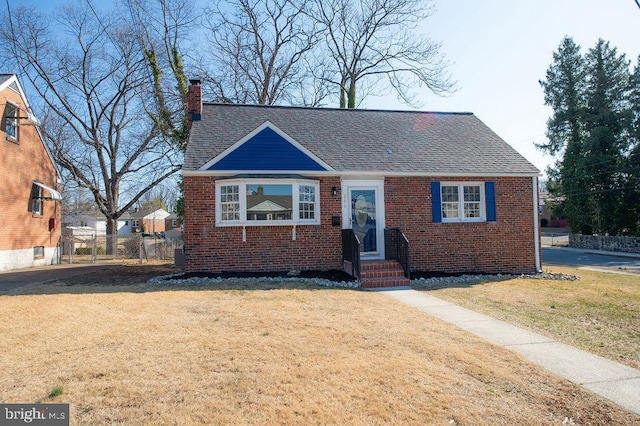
(172, 222)
(149, 221)
(465, 200)
(29, 197)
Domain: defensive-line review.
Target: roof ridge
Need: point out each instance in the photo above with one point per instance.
(354, 110)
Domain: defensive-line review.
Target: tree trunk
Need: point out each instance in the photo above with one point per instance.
(112, 237)
(352, 94)
(343, 95)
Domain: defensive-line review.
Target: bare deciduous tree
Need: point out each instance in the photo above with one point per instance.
(91, 75)
(372, 40)
(260, 51)
(160, 26)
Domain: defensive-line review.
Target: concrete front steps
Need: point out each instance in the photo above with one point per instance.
(382, 273)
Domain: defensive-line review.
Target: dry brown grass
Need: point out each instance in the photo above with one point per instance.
(600, 313)
(283, 356)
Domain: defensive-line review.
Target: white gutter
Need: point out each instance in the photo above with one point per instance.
(355, 174)
(536, 226)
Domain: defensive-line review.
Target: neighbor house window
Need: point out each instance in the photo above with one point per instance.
(36, 200)
(267, 202)
(462, 202)
(11, 121)
(135, 223)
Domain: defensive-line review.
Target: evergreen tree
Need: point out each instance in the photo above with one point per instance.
(564, 89)
(632, 188)
(606, 145)
(590, 131)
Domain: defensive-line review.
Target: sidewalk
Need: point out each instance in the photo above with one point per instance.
(614, 381)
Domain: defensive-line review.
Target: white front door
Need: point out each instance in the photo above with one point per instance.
(363, 212)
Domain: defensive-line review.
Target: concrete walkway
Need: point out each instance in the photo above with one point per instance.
(614, 381)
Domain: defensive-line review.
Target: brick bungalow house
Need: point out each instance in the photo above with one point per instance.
(29, 200)
(288, 188)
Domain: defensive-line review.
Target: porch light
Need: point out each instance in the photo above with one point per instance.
(334, 190)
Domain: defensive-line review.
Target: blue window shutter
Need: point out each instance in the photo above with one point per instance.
(490, 197)
(436, 202)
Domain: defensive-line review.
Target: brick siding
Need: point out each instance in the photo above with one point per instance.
(267, 248)
(21, 163)
(151, 225)
(506, 245)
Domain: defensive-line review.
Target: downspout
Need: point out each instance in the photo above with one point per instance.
(536, 226)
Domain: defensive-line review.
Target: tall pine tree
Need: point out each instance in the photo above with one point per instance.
(590, 131)
(564, 89)
(606, 145)
(632, 188)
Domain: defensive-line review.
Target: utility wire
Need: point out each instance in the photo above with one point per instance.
(595, 191)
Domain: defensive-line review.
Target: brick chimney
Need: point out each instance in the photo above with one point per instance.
(194, 100)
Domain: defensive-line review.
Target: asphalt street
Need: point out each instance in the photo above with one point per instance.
(560, 256)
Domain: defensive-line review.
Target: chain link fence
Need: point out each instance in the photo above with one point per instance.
(89, 247)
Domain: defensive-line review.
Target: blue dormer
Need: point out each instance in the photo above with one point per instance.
(266, 149)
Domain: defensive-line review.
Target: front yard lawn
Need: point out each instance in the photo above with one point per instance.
(143, 354)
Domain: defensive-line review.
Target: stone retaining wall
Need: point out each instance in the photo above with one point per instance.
(600, 242)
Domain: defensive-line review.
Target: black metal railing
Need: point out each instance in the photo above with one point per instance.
(351, 251)
(396, 247)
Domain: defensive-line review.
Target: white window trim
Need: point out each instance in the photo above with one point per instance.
(295, 214)
(461, 218)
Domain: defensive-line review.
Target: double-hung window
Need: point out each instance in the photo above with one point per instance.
(11, 121)
(256, 202)
(36, 200)
(462, 202)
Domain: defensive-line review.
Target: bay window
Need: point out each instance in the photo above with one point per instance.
(255, 202)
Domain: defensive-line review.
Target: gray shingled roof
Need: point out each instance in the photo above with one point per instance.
(365, 140)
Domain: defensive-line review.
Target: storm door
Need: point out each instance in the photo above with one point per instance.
(365, 216)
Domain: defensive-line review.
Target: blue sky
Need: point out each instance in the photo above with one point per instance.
(500, 49)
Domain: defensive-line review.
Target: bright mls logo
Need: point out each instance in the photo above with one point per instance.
(35, 414)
